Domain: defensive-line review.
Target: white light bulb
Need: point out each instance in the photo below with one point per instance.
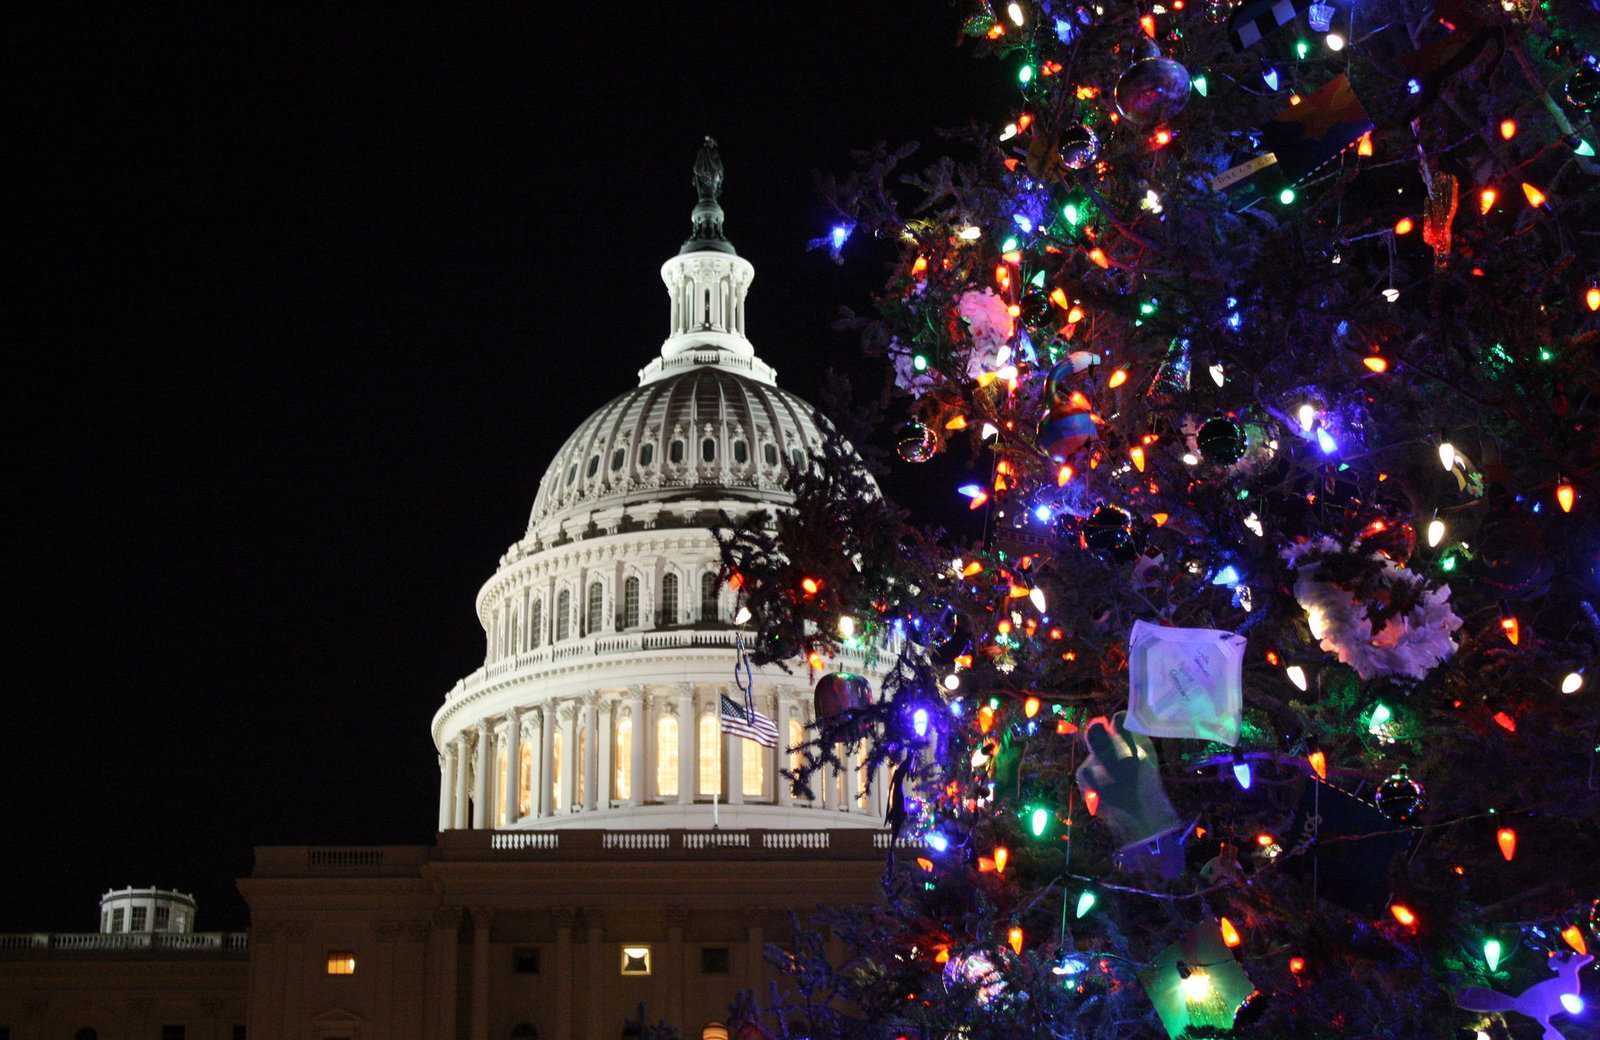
(989, 430)
(1036, 596)
(742, 617)
(951, 681)
(1191, 459)
(847, 626)
(1015, 12)
(1435, 532)
(1297, 675)
(970, 234)
(1307, 415)
(1217, 374)
(1391, 294)
(1572, 683)
(1447, 454)
(1335, 42)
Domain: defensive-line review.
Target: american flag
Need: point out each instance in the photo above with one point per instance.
(748, 723)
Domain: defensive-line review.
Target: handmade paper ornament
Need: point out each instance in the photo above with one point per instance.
(1124, 776)
(1543, 1000)
(1400, 798)
(1152, 90)
(1221, 441)
(1185, 682)
(1195, 984)
(1078, 146)
(916, 442)
(1341, 847)
(1307, 136)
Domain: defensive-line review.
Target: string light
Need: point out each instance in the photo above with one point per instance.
(1230, 934)
(1573, 682)
(1435, 532)
(1486, 200)
(1565, 495)
(1534, 196)
(1508, 129)
(1506, 838)
(1491, 953)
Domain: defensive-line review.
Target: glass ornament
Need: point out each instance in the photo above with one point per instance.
(1078, 146)
(917, 442)
(1109, 530)
(1583, 86)
(1401, 798)
(1221, 441)
(839, 692)
(1152, 90)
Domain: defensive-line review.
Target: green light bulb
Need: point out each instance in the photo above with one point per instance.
(1200, 85)
(1025, 75)
(920, 363)
(1491, 953)
(1286, 196)
(1070, 211)
(1086, 901)
(1380, 715)
(1584, 148)
(1038, 820)
(1302, 48)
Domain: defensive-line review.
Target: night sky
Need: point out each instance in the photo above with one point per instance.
(301, 305)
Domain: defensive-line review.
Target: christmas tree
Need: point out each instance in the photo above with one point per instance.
(1257, 705)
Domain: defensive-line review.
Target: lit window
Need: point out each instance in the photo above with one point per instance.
(116, 919)
(754, 767)
(563, 612)
(581, 771)
(163, 917)
(555, 768)
(341, 962)
(708, 597)
(797, 736)
(630, 603)
(667, 757)
(596, 602)
(708, 450)
(141, 914)
(500, 787)
(636, 960)
(710, 755)
(669, 599)
(741, 452)
(525, 779)
(623, 786)
(647, 454)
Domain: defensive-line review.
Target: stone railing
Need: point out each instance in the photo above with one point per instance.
(670, 844)
(115, 942)
(525, 841)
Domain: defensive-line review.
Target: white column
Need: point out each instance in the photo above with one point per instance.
(640, 735)
(513, 764)
(547, 754)
(482, 799)
(688, 736)
(463, 783)
(591, 752)
(447, 776)
(605, 789)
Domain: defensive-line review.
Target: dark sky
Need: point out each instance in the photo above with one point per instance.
(301, 304)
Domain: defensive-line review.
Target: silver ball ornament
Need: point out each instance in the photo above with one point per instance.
(1152, 90)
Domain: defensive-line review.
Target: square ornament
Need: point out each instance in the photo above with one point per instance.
(1185, 682)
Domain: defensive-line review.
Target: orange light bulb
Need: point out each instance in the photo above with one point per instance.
(1014, 937)
(1508, 128)
(1230, 934)
(1565, 495)
(1099, 257)
(1091, 800)
(1136, 453)
(1574, 937)
(1512, 630)
(985, 719)
(1404, 225)
(1534, 196)
(1030, 707)
(1001, 855)
(1319, 764)
(1486, 200)
(1507, 840)
(1364, 146)
(1592, 298)
(1403, 914)
(1376, 363)
(1120, 376)
(810, 585)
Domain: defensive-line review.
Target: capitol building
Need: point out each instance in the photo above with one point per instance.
(602, 843)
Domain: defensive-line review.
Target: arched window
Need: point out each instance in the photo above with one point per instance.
(516, 633)
(591, 623)
(769, 452)
(525, 779)
(593, 467)
(675, 453)
(622, 786)
(708, 597)
(647, 454)
(563, 614)
(536, 625)
(500, 787)
(630, 603)
(741, 452)
(797, 458)
(667, 757)
(572, 474)
(669, 599)
(754, 767)
(555, 771)
(617, 458)
(708, 450)
(710, 755)
(797, 736)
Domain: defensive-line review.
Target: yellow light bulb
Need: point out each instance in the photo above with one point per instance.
(1435, 532)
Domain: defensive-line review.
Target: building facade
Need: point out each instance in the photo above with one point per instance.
(603, 845)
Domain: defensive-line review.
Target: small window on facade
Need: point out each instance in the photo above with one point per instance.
(171, 1033)
(536, 624)
(741, 452)
(708, 597)
(593, 467)
(714, 960)
(797, 736)
(647, 454)
(675, 452)
(770, 453)
(341, 962)
(116, 919)
(596, 601)
(708, 450)
(163, 917)
(572, 473)
(563, 615)
(636, 960)
(797, 458)
(669, 599)
(630, 603)
(137, 921)
(618, 457)
(525, 962)
(180, 922)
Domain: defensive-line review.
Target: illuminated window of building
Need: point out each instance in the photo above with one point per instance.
(180, 921)
(596, 602)
(581, 769)
(636, 960)
(563, 614)
(622, 785)
(667, 757)
(714, 960)
(797, 736)
(669, 599)
(536, 624)
(500, 787)
(116, 919)
(754, 768)
(555, 769)
(630, 603)
(710, 755)
(525, 779)
(140, 915)
(708, 597)
(341, 962)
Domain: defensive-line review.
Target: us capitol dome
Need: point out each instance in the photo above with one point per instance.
(609, 636)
